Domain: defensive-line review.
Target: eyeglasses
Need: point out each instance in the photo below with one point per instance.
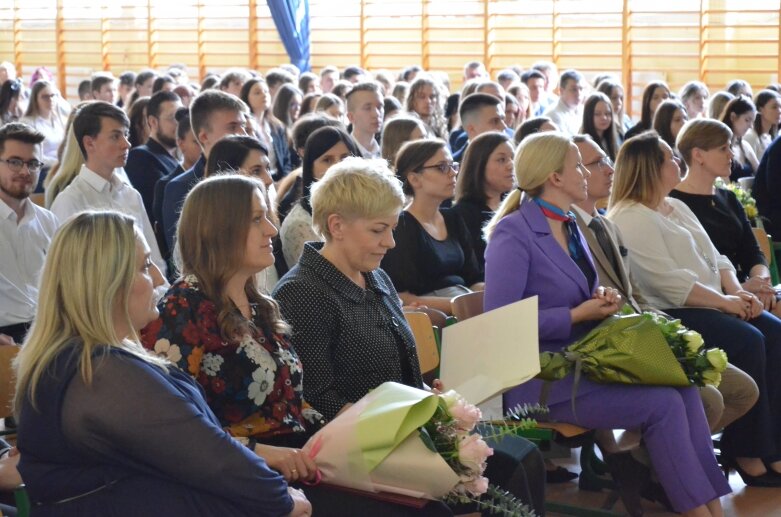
(603, 164)
(443, 167)
(15, 164)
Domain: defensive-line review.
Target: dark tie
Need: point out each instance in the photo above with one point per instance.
(597, 226)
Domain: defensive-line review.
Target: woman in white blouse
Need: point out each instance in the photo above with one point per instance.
(44, 115)
(679, 269)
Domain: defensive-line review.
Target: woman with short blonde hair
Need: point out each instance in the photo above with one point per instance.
(125, 423)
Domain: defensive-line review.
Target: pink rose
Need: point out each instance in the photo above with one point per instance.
(473, 451)
(477, 486)
(466, 415)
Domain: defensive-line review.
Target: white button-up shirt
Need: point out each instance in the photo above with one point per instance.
(22, 253)
(89, 191)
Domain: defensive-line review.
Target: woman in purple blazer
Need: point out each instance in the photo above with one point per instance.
(535, 249)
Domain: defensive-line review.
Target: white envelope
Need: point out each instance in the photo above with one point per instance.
(488, 354)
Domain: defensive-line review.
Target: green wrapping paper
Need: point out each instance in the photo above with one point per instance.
(627, 349)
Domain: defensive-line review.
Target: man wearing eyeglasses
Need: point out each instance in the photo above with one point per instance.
(737, 392)
(151, 161)
(25, 230)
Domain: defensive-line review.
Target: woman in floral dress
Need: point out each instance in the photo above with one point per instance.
(217, 326)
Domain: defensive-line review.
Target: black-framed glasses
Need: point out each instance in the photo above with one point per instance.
(15, 164)
(603, 164)
(443, 167)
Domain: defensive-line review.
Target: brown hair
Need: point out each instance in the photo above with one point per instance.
(412, 156)
(211, 243)
(470, 184)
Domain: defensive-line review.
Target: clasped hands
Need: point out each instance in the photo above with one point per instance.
(744, 304)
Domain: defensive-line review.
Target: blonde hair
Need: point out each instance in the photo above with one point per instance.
(67, 169)
(703, 133)
(537, 157)
(638, 175)
(89, 269)
(355, 188)
(211, 243)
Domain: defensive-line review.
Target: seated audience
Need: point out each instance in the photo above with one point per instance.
(739, 115)
(233, 81)
(534, 125)
(309, 103)
(484, 178)
(104, 87)
(392, 107)
(767, 189)
(669, 119)
(25, 230)
(567, 113)
(654, 94)
(269, 130)
(433, 260)
(765, 127)
(67, 168)
(397, 132)
(535, 81)
(125, 86)
(101, 130)
(289, 189)
(309, 83)
(44, 116)
(534, 230)
(479, 113)
(324, 148)
(740, 88)
(10, 110)
(105, 427)
(705, 146)
(521, 93)
(365, 111)
(328, 77)
(615, 92)
(600, 124)
(139, 126)
(213, 114)
(717, 103)
(332, 106)
(245, 155)
(680, 271)
(149, 162)
(694, 96)
(424, 101)
(737, 392)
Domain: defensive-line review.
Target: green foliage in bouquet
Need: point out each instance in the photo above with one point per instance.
(748, 202)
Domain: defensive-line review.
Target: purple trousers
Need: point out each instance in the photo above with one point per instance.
(674, 430)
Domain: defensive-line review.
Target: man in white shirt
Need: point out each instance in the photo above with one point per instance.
(25, 230)
(568, 113)
(101, 130)
(365, 111)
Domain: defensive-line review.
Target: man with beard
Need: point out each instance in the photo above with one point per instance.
(25, 230)
(149, 162)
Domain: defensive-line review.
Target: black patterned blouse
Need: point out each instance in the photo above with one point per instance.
(350, 339)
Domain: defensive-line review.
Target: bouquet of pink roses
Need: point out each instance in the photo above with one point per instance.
(403, 440)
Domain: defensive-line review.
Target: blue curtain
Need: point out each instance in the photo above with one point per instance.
(292, 20)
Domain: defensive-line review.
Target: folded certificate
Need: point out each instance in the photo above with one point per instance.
(488, 354)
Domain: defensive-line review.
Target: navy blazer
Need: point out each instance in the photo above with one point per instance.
(145, 165)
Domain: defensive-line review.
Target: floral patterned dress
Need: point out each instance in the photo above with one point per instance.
(253, 384)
